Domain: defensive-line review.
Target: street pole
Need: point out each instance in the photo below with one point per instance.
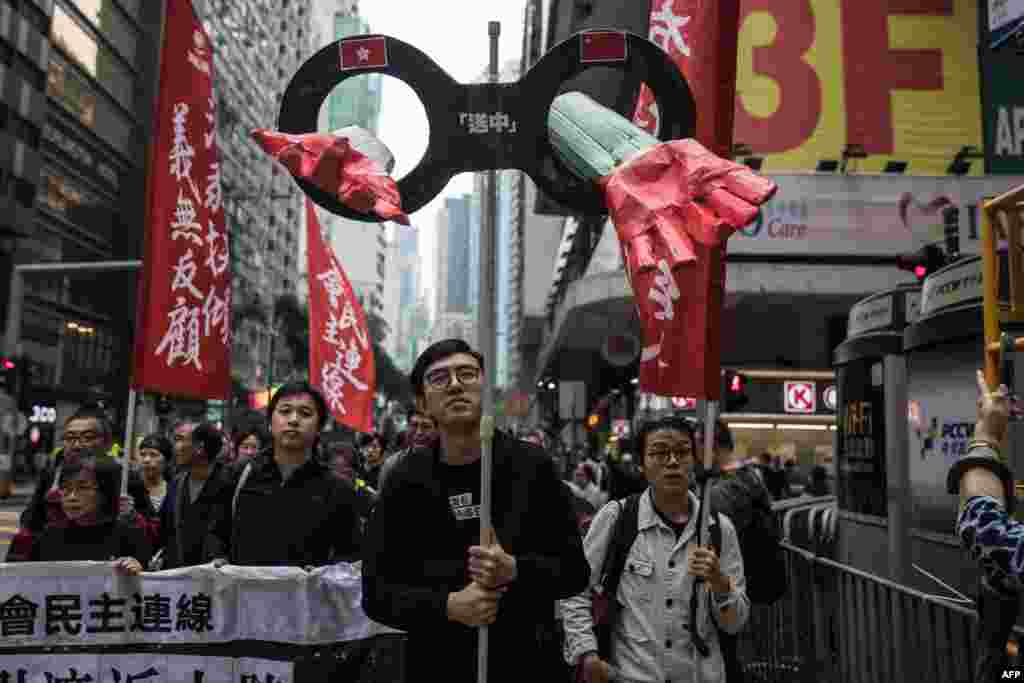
(488, 348)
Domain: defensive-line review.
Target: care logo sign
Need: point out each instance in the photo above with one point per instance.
(800, 397)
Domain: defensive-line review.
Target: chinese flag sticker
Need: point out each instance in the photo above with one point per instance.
(603, 46)
(364, 53)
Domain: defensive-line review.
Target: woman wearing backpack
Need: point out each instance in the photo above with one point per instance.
(645, 553)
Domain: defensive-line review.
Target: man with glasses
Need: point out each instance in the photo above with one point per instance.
(87, 432)
(421, 431)
(424, 570)
(650, 638)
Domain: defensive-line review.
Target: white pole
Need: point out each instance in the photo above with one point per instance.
(705, 500)
(488, 349)
(129, 436)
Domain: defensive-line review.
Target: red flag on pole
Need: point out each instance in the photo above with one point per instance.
(341, 360)
(701, 39)
(183, 328)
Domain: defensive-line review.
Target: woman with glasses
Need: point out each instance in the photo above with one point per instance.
(90, 528)
(650, 640)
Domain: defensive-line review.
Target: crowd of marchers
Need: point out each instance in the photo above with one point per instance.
(624, 531)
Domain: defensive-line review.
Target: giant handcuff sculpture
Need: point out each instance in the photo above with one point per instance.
(519, 140)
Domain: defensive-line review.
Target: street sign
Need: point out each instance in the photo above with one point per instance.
(829, 397)
(684, 403)
(799, 397)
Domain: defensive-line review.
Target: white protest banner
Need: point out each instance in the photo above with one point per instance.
(84, 603)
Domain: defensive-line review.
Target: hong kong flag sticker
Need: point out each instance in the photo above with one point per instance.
(364, 53)
(603, 46)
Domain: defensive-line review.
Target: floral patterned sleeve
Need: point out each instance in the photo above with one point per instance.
(995, 541)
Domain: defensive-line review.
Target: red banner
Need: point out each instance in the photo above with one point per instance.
(183, 329)
(341, 361)
(681, 315)
(701, 37)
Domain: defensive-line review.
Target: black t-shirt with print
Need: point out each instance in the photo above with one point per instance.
(462, 487)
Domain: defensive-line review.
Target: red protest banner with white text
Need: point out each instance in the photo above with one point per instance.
(341, 361)
(701, 37)
(183, 328)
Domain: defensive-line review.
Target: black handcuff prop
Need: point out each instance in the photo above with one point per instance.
(488, 126)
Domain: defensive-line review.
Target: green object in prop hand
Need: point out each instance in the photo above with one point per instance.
(591, 139)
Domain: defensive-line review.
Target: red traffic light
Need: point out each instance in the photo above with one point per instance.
(736, 384)
(922, 262)
(8, 364)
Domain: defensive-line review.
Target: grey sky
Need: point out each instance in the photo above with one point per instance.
(454, 34)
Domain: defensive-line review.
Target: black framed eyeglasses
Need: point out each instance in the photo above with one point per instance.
(442, 378)
(684, 454)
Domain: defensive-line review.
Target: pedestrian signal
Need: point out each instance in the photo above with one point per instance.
(922, 262)
(735, 390)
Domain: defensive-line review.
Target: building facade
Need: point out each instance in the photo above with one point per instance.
(78, 81)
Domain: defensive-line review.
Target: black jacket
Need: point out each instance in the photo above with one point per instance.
(185, 525)
(33, 517)
(414, 559)
(102, 542)
(310, 520)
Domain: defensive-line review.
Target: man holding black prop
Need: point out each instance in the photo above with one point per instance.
(424, 571)
(987, 530)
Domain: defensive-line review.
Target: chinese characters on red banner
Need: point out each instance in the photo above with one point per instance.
(341, 360)
(183, 333)
(679, 283)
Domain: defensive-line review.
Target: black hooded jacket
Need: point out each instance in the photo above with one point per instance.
(415, 556)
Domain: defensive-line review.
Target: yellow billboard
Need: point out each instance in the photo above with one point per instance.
(898, 78)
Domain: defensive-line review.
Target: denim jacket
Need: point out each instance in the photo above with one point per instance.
(652, 641)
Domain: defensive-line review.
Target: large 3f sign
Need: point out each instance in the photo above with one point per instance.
(901, 79)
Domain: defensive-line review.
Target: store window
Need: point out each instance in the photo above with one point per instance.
(77, 94)
(861, 472)
(98, 61)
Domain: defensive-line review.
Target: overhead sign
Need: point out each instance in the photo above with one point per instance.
(800, 397)
(956, 284)
(828, 397)
(870, 314)
(1003, 112)
(815, 75)
(832, 213)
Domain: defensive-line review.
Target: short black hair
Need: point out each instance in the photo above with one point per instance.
(93, 412)
(210, 438)
(107, 473)
(667, 422)
(158, 442)
(297, 388)
(439, 351)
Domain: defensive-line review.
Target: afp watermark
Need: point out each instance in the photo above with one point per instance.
(1013, 674)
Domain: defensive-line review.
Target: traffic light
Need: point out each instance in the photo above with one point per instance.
(9, 375)
(593, 421)
(922, 262)
(735, 390)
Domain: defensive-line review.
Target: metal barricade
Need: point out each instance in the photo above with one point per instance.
(838, 624)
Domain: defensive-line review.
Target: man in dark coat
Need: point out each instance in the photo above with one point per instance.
(424, 569)
(198, 494)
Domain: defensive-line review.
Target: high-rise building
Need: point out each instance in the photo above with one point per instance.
(361, 247)
(78, 91)
(264, 207)
(392, 297)
(407, 263)
(456, 256)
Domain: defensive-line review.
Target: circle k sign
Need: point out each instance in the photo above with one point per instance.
(800, 397)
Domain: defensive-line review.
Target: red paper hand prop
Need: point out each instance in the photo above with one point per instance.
(674, 207)
(333, 165)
